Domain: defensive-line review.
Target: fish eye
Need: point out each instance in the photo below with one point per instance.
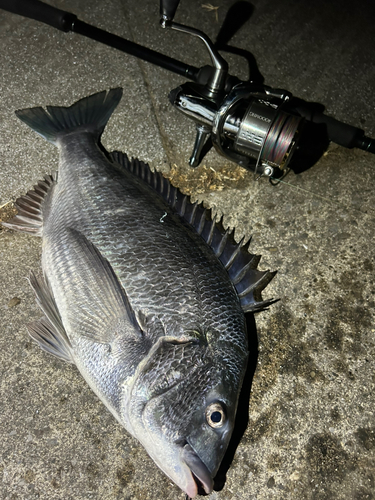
(215, 415)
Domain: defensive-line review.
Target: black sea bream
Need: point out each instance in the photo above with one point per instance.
(142, 291)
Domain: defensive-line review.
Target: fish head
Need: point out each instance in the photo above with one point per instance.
(182, 409)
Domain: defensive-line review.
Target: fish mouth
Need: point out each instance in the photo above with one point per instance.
(203, 482)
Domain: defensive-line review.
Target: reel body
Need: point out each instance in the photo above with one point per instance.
(248, 125)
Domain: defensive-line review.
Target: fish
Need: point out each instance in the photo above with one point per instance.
(142, 290)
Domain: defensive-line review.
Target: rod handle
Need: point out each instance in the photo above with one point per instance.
(39, 11)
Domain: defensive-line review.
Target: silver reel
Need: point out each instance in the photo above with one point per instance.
(249, 128)
(247, 123)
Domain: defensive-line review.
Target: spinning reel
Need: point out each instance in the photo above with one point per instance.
(249, 123)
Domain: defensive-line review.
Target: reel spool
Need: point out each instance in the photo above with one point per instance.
(252, 128)
(262, 131)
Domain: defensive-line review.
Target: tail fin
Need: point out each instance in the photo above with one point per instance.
(90, 113)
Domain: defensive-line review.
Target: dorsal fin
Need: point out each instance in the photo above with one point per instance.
(235, 257)
(29, 218)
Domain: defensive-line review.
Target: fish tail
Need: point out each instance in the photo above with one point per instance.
(88, 114)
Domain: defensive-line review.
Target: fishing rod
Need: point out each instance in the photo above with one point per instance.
(251, 124)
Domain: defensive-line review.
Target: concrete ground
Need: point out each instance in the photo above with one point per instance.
(311, 427)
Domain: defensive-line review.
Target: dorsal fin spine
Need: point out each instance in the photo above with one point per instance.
(29, 214)
(235, 257)
(192, 212)
(172, 196)
(167, 188)
(148, 173)
(202, 222)
(160, 183)
(209, 240)
(264, 279)
(34, 196)
(136, 169)
(252, 264)
(222, 244)
(232, 258)
(246, 245)
(183, 206)
(25, 206)
(31, 202)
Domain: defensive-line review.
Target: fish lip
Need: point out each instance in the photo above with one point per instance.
(202, 477)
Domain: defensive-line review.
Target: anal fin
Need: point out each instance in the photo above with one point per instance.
(29, 218)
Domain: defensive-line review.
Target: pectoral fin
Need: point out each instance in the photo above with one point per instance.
(105, 312)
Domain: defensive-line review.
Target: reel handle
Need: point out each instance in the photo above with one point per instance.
(40, 11)
(168, 9)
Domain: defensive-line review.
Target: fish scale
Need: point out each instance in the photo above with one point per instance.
(142, 291)
(164, 250)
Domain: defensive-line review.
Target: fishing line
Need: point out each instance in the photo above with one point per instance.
(329, 200)
(280, 137)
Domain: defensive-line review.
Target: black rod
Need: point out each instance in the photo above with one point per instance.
(135, 50)
(65, 21)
